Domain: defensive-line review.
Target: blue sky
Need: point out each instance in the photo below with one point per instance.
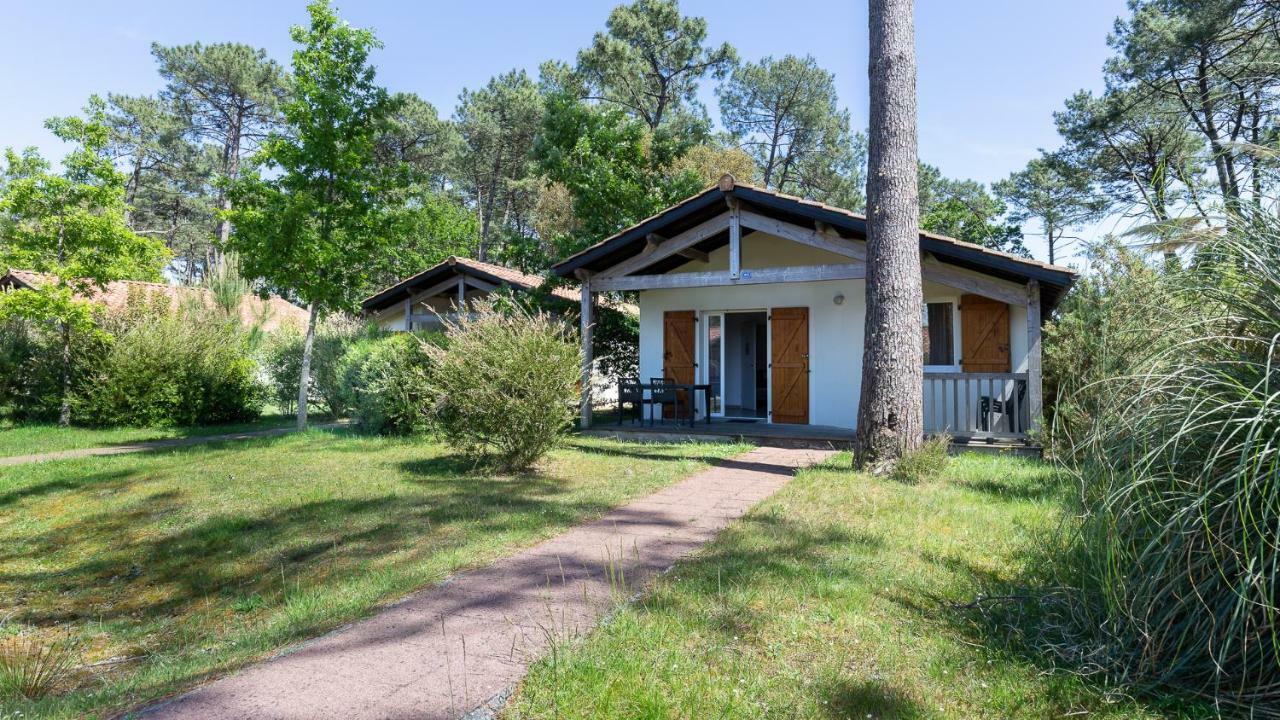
(991, 73)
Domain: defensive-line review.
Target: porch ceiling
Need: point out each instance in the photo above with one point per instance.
(1054, 280)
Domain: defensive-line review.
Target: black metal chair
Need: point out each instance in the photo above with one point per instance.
(631, 392)
(662, 392)
(1003, 405)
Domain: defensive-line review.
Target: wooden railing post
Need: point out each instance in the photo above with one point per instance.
(1035, 388)
(585, 419)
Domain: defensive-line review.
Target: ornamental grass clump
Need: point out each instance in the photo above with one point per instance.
(1174, 569)
(31, 667)
(504, 384)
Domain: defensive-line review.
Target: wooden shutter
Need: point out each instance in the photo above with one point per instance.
(984, 335)
(790, 364)
(678, 351)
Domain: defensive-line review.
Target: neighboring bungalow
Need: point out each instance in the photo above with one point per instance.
(762, 296)
(418, 302)
(271, 312)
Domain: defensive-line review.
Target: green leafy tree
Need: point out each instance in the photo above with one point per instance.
(649, 61)
(230, 96)
(1055, 193)
(69, 225)
(1215, 61)
(785, 114)
(616, 170)
(312, 220)
(494, 171)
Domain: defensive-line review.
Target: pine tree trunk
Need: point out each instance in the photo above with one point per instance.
(890, 413)
(304, 375)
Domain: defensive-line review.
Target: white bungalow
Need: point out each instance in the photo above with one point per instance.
(762, 296)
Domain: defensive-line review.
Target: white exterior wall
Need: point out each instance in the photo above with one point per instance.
(835, 335)
(835, 331)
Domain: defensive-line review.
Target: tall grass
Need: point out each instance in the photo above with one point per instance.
(1176, 562)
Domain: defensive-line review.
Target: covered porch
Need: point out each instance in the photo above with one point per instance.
(761, 296)
(818, 437)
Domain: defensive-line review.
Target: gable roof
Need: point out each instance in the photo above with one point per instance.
(465, 267)
(1054, 279)
(274, 311)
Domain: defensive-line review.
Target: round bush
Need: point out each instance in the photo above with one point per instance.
(505, 385)
(282, 361)
(183, 369)
(385, 380)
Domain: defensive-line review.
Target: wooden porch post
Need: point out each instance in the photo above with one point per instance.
(408, 314)
(462, 294)
(1035, 389)
(585, 419)
(735, 238)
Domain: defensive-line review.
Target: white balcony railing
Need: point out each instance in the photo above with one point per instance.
(976, 405)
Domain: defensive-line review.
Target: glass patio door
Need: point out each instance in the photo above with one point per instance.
(715, 362)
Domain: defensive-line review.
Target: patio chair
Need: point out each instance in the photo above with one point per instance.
(1003, 405)
(631, 392)
(662, 393)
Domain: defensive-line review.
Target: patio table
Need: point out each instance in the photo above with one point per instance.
(690, 389)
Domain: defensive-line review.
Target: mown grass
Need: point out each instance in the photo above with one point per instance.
(834, 599)
(33, 438)
(170, 567)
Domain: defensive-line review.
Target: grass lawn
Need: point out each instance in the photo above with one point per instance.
(169, 567)
(832, 600)
(32, 438)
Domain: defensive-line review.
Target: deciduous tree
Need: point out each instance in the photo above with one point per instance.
(69, 225)
(312, 221)
(963, 209)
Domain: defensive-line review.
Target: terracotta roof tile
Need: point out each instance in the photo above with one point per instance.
(115, 295)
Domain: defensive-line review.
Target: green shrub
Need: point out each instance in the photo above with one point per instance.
(505, 385)
(184, 368)
(924, 463)
(385, 383)
(282, 362)
(1102, 330)
(1174, 569)
(31, 369)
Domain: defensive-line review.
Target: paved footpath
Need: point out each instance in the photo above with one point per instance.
(461, 645)
(152, 445)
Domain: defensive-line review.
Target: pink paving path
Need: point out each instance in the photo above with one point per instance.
(454, 647)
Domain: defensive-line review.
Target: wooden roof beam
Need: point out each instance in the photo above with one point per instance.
(695, 254)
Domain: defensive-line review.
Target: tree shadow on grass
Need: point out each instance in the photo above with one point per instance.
(126, 563)
(1021, 619)
(760, 549)
(1013, 489)
(849, 698)
(650, 451)
(115, 479)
